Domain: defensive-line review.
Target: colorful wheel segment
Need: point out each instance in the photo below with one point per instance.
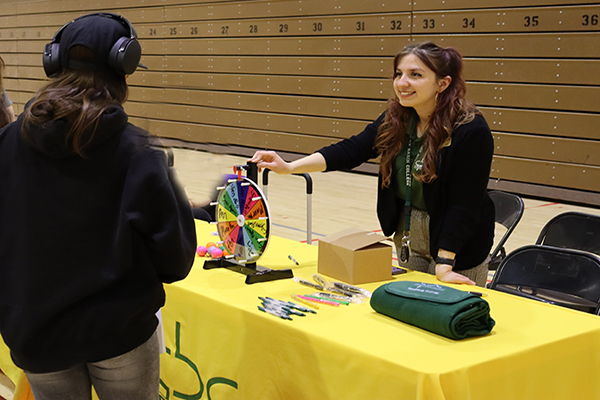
(243, 220)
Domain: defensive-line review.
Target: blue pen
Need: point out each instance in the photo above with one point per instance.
(277, 309)
(277, 305)
(287, 309)
(272, 300)
(291, 304)
(268, 311)
(294, 260)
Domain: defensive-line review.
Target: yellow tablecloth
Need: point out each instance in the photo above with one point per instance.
(227, 345)
(220, 346)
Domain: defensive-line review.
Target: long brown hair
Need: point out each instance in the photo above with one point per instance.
(5, 116)
(451, 110)
(78, 97)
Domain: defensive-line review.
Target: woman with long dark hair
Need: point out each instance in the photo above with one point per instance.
(92, 225)
(436, 152)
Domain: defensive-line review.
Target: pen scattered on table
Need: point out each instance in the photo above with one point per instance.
(304, 301)
(276, 312)
(334, 296)
(339, 287)
(294, 260)
(351, 289)
(479, 294)
(307, 283)
(343, 291)
(322, 281)
(283, 309)
(314, 299)
(321, 297)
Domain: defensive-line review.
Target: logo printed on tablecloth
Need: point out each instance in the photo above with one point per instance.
(165, 390)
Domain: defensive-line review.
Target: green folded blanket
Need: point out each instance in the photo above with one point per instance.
(437, 308)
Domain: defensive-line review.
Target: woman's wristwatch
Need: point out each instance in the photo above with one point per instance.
(442, 260)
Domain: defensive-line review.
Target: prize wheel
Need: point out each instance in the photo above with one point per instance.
(243, 220)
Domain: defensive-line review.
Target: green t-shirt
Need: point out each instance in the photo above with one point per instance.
(416, 198)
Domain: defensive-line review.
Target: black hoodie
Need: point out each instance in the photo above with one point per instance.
(86, 242)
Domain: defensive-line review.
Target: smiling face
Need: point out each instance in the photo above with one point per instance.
(416, 85)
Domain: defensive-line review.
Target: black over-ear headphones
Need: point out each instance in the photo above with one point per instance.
(123, 57)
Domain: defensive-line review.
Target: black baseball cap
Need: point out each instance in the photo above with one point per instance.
(102, 33)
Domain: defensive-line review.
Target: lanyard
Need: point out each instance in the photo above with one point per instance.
(408, 172)
(404, 251)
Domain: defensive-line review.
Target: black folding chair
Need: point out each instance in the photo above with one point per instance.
(564, 277)
(509, 210)
(572, 230)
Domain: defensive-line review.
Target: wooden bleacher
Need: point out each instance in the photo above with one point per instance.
(295, 75)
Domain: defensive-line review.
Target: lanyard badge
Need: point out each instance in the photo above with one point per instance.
(404, 253)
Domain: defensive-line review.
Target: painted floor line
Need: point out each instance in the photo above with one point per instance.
(542, 205)
(296, 229)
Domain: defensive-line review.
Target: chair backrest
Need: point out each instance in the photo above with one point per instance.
(509, 210)
(572, 230)
(565, 277)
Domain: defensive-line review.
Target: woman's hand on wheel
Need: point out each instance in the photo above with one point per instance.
(270, 160)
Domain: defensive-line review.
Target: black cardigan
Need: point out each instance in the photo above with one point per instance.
(461, 212)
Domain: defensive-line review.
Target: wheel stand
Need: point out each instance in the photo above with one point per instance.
(254, 273)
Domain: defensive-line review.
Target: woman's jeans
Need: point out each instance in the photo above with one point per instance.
(130, 376)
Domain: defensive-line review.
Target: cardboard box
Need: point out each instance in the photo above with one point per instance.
(354, 256)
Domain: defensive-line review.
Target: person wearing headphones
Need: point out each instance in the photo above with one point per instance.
(93, 224)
